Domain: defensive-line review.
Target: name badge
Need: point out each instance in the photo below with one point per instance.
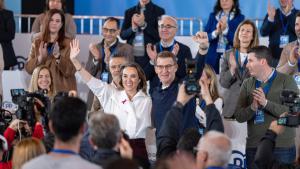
(284, 40)
(104, 77)
(259, 117)
(297, 80)
(139, 39)
(221, 45)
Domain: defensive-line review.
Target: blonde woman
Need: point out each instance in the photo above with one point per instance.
(233, 69)
(26, 150)
(209, 81)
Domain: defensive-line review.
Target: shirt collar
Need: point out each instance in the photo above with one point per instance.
(288, 12)
(166, 45)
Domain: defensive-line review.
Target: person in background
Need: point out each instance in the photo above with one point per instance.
(101, 53)
(279, 26)
(4, 164)
(25, 150)
(221, 26)
(42, 79)
(233, 68)
(70, 26)
(140, 28)
(52, 49)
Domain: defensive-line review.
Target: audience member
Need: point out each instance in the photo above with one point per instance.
(52, 49)
(106, 138)
(140, 28)
(169, 133)
(221, 26)
(131, 106)
(167, 32)
(233, 68)
(259, 104)
(7, 34)
(114, 69)
(42, 79)
(279, 26)
(70, 26)
(209, 80)
(25, 150)
(264, 157)
(67, 123)
(4, 149)
(100, 53)
(289, 59)
(214, 150)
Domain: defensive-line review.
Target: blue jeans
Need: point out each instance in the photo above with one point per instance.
(283, 155)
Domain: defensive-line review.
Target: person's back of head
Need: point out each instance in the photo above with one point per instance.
(216, 149)
(25, 150)
(104, 130)
(67, 117)
(188, 140)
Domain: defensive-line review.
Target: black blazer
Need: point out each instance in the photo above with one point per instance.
(7, 34)
(152, 14)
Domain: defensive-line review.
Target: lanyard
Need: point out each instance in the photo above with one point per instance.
(267, 87)
(170, 50)
(64, 151)
(50, 48)
(284, 27)
(238, 63)
(202, 104)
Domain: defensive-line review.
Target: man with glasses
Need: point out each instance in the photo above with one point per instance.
(140, 28)
(167, 32)
(100, 53)
(165, 94)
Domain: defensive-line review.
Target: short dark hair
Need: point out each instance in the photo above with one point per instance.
(189, 140)
(113, 19)
(67, 116)
(262, 52)
(105, 131)
(165, 54)
(298, 14)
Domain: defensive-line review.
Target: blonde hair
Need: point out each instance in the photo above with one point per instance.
(33, 86)
(26, 150)
(213, 86)
(255, 39)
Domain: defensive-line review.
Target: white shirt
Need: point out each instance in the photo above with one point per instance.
(134, 116)
(200, 114)
(243, 57)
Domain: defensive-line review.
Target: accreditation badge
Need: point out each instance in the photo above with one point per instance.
(284, 40)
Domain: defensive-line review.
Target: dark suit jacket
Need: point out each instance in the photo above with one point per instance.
(7, 34)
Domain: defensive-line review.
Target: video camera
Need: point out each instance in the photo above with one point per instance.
(191, 83)
(26, 102)
(5, 119)
(292, 100)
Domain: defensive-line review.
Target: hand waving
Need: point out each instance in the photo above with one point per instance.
(74, 45)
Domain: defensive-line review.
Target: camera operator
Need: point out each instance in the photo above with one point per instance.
(263, 159)
(168, 136)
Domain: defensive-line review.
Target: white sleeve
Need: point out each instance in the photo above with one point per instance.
(219, 104)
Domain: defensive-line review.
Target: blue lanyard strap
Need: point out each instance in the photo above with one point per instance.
(170, 50)
(284, 26)
(238, 63)
(202, 104)
(64, 151)
(267, 87)
(50, 48)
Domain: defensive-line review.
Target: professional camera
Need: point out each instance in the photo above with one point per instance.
(26, 102)
(292, 100)
(191, 82)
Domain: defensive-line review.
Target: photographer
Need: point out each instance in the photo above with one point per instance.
(168, 135)
(263, 159)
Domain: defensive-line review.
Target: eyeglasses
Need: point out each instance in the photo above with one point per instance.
(162, 67)
(111, 31)
(115, 66)
(166, 26)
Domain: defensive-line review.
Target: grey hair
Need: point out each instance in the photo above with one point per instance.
(218, 146)
(169, 17)
(104, 130)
